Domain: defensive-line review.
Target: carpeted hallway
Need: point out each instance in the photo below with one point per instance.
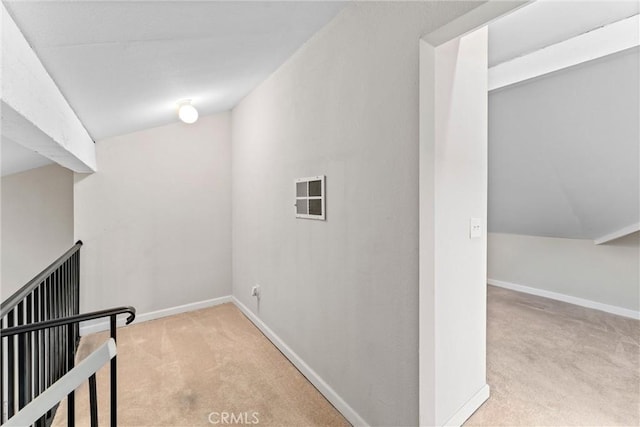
(549, 363)
(177, 370)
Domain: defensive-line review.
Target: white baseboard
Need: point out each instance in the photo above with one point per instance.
(620, 311)
(469, 408)
(90, 328)
(330, 394)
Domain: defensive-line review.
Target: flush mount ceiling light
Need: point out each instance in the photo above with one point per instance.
(187, 112)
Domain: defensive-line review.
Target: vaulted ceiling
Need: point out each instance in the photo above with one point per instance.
(123, 65)
(564, 151)
(546, 22)
(564, 148)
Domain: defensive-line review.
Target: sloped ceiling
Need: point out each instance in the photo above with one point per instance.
(564, 151)
(123, 65)
(16, 158)
(546, 22)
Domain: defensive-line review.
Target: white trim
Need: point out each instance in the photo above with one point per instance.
(567, 298)
(472, 20)
(607, 40)
(90, 328)
(629, 229)
(340, 404)
(65, 385)
(470, 407)
(325, 389)
(475, 19)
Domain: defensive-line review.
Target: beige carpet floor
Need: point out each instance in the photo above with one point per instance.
(549, 364)
(557, 364)
(176, 371)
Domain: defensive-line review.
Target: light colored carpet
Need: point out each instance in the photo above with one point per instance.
(177, 370)
(549, 364)
(557, 364)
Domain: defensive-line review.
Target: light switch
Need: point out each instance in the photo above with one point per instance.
(475, 228)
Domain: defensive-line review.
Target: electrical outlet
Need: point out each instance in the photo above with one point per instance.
(255, 291)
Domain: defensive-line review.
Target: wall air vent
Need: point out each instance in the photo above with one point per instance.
(310, 198)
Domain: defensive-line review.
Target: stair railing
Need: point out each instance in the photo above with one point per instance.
(31, 364)
(71, 323)
(86, 370)
(39, 335)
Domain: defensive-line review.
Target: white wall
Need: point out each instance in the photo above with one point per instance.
(37, 223)
(453, 189)
(155, 218)
(607, 274)
(342, 293)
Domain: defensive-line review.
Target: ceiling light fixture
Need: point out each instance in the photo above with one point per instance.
(187, 112)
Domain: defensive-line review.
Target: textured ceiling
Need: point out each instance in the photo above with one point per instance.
(123, 65)
(564, 151)
(546, 22)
